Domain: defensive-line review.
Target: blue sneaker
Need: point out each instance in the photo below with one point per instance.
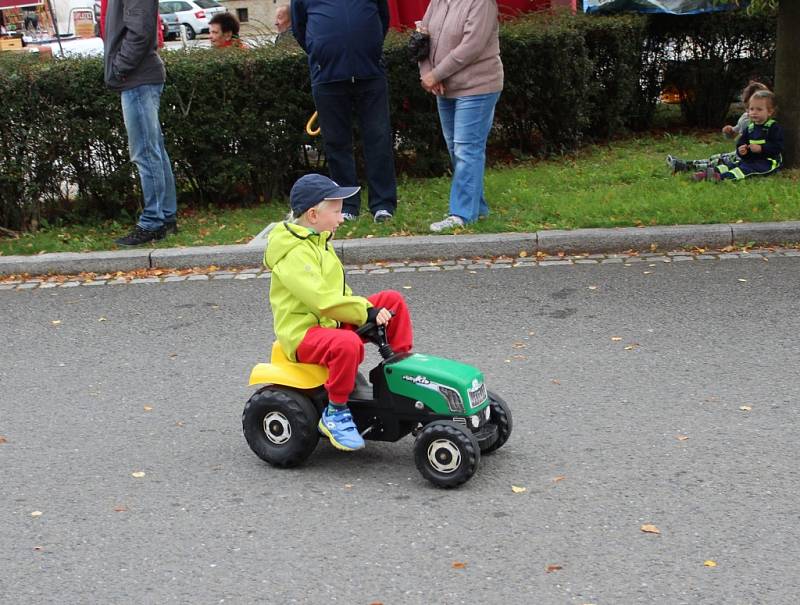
(341, 430)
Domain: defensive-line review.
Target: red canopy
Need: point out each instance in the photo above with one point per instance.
(403, 13)
(17, 3)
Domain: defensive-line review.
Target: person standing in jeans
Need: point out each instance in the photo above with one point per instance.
(464, 71)
(134, 69)
(344, 43)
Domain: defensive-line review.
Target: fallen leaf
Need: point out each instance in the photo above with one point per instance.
(3, 440)
(459, 565)
(555, 381)
(710, 563)
(406, 287)
(742, 280)
(745, 408)
(632, 346)
(646, 272)
(650, 529)
(348, 485)
(37, 513)
(523, 254)
(519, 345)
(179, 423)
(552, 567)
(137, 474)
(55, 322)
(102, 319)
(148, 408)
(616, 338)
(653, 247)
(518, 490)
(120, 509)
(559, 478)
(681, 437)
(37, 548)
(593, 287)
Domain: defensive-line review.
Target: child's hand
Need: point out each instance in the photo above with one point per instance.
(742, 150)
(383, 316)
(728, 130)
(755, 147)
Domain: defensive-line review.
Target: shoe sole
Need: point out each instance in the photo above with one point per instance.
(324, 430)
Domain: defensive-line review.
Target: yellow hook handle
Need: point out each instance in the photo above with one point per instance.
(310, 126)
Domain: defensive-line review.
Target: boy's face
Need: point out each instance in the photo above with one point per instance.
(217, 36)
(326, 216)
(759, 110)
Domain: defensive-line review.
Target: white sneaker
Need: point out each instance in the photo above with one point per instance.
(451, 222)
(381, 216)
(349, 217)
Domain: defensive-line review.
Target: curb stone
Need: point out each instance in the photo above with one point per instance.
(421, 248)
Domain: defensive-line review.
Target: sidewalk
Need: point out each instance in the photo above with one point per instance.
(420, 248)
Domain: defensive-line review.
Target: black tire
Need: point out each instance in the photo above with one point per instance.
(280, 426)
(500, 415)
(190, 33)
(446, 453)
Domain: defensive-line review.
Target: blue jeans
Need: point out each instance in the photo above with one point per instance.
(146, 146)
(466, 122)
(336, 102)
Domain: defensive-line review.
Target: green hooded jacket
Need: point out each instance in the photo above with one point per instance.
(307, 288)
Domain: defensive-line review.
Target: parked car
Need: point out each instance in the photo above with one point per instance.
(170, 25)
(192, 14)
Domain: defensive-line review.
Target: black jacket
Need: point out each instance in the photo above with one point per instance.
(131, 40)
(769, 135)
(343, 38)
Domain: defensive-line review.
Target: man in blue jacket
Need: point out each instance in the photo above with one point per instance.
(134, 69)
(344, 43)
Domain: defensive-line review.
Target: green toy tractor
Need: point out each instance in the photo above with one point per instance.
(443, 403)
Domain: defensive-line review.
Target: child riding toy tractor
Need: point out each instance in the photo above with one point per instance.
(443, 403)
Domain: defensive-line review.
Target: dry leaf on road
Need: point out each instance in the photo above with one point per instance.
(681, 437)
(56, 322)
(137, 474)
(650, 529)
(120, 509)
(552, 567)
(616, 338)
(518, 489)
(745, 408)
(3, 440)
(559, 478)
(459, 565)
(710, 563)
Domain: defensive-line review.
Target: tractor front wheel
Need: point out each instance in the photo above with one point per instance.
(446, 453)
(280, 426)
(500, 416)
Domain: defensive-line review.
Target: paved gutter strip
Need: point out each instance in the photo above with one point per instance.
(643, 262)
(602, 244)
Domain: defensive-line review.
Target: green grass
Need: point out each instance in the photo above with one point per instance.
(623, 183)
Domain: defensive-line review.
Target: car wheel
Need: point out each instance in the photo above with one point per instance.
(446, 453)
(190, 33)
(500, 416)
(280, 426)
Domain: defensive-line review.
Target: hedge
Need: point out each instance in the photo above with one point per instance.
(234, 121)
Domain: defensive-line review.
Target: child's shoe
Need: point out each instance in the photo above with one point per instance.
(338, 426)
(676, 165)
(709, 174)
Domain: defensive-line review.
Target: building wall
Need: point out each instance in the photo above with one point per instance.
(260, 14)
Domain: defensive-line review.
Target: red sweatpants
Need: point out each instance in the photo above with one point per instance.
(341, 350)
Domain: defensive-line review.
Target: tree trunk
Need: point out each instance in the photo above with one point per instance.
(787, 78)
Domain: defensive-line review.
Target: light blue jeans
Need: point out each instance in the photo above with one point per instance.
(466, 122)
(146, 146)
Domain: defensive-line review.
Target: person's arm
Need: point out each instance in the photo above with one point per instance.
(425, 65)
(309, 287)
(773, 147)
(299, 20)
(478, 28)
(383, 11)
(743, 142)
(140, 18)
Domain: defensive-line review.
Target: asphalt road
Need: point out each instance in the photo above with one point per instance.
(100, 382)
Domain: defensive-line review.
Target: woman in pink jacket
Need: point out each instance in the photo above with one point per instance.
(464, 71)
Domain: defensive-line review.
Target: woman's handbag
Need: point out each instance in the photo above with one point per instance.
(419, 46)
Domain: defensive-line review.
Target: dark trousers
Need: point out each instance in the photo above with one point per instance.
(336, 103)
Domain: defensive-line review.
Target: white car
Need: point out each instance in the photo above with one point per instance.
(192, 14)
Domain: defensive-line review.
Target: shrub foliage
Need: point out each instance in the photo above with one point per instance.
(234, 122)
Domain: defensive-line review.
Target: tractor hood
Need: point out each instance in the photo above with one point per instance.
(445, 386)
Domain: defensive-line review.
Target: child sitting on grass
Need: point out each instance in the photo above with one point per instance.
(315, 312)
(678, 165)
(760, 148)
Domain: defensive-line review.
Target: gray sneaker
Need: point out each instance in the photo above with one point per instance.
(381, 216)
(451, 222)
(349, 217)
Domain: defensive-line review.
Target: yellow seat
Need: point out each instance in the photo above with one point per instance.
(281, 370)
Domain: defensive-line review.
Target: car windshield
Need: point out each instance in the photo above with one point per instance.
(207, 3)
